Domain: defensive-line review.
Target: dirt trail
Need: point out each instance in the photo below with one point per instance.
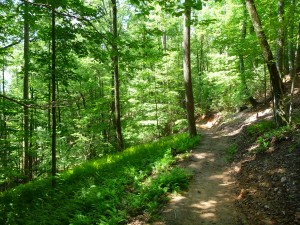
(210, 198)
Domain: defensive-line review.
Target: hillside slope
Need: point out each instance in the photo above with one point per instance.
(246, 171)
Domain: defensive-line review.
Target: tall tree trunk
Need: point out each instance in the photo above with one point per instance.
(291, 51)
(58, 111)
(49, 91)
(4, 132)
(277, 85)
(26, 91)
(297, 57)
(53, 98)
(189, 97)
(241, 57)
(49, 108)
(31, 128)
(280, 38)
(116, 78)
(292, 68)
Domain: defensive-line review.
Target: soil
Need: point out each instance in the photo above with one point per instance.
(268, 183)
(262, 188)
(209, 199)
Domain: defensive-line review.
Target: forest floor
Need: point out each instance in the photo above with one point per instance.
(254, 189)
(209, 199)
(261, 188)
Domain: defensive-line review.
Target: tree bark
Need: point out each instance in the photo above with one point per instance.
(292, 64)
(4, 133)
(115, 60)
(241, 57)
(277, 85)
(53, 87)
(31, 129)
(291, 50)
(297, 57)
(280, 38)
(189, 98)
(26, 92)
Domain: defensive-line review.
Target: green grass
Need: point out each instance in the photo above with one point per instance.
(109, 190)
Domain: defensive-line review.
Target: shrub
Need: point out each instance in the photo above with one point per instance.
(230, 152)
(261, 127)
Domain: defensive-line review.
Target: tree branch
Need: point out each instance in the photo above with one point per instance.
(79, 18)
(23, 104)
(10, 45)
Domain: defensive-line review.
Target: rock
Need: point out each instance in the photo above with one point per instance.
(283, 179)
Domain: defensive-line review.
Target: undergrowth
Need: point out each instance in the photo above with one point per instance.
(110, 190)
(267, 133)
(230, 152)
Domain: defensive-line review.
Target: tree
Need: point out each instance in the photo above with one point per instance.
(53, 91)
(281, 36)
(189, 98)
(115, 63)
(291, 55)
(26, 91)
(291, 49)
(277, 86)
(297, 57)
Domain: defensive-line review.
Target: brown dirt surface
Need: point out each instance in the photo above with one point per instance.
(255, 189)
(268, 183)
(210, 199)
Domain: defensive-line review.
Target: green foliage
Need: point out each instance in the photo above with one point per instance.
(266, 133)
(294, 145)
(230, 152)
(261, 127)
(151, 82)
(174, 180)
(263, 144)
(104, 191)
(185, 144)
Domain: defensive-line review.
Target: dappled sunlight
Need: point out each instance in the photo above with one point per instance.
(218, 176)
(208, 200)
(207, 125)
(238, 121)
(208, 216)
(279, 170)
(211, 204)
(205, 155)
(222, 177)
(177, 198)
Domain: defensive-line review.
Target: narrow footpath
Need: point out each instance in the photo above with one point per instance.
(210, 197)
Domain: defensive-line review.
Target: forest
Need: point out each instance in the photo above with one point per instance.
(98, 97)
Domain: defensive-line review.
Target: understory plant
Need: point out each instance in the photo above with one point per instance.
(267, 133)
(110, 190)
(231, 151)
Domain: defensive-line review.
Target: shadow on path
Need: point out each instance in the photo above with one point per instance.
(210, 198)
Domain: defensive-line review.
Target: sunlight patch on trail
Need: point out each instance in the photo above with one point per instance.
(205, 155)
(211, 204)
